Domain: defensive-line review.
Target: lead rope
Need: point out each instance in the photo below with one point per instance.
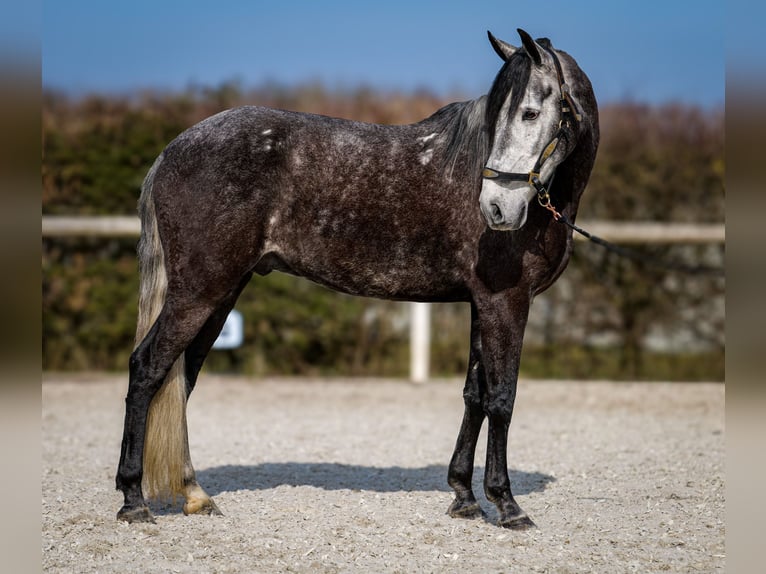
(544, 199)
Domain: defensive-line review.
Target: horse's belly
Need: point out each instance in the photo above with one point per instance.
(381, 277)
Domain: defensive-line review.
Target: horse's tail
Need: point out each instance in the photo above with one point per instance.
(166, 442)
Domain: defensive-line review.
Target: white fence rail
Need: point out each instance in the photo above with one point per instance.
(618, 231)
(90, 226)
(420, 313)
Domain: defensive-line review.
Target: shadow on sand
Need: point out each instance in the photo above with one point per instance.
(336, 476)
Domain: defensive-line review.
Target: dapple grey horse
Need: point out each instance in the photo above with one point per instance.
(440, 210)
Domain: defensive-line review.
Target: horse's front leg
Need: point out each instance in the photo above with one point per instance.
(461, 466)
(502, 320)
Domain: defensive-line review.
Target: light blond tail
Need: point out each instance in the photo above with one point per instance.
(166, 442)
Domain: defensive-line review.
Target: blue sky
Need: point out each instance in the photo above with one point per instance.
(647, 51)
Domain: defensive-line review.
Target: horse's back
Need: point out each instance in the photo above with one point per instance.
(351, 205)
(253, 149)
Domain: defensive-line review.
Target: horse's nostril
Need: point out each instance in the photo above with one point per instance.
(497, 215)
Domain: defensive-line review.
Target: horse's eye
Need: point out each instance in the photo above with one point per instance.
(530, 115)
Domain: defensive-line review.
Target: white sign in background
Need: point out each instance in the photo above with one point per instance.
(232, 333)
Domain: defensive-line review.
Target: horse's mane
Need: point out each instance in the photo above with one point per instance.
(470, 125)
(467, 146)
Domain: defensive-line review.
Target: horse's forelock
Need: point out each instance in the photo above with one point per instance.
(513, 77)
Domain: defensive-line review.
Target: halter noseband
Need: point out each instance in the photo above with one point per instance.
(569, 114)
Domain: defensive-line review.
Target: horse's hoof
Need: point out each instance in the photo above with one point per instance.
(202, 506)
(522, 522)
(139, 514)
(462, 509)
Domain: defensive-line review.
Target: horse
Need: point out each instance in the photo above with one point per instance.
(442, 210)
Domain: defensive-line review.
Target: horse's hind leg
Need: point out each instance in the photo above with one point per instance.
(461, 465)
(197, 500)
(150, 363)
(197, 351)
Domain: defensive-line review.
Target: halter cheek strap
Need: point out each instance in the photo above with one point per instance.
(533, 177)
(569, 114)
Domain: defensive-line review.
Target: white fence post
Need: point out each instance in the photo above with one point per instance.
(420, 341)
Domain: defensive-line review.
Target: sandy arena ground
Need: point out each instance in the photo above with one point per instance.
(350, 476)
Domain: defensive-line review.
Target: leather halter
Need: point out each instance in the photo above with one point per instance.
(569, 114)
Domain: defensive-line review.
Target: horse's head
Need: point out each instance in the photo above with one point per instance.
(533, 120)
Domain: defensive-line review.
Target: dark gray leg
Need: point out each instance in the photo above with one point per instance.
(149, 365)
(503, 318)
(461, 465)
(199, 348)
(197, 500)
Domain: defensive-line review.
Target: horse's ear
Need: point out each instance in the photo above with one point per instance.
(503, 49)
(532, 48)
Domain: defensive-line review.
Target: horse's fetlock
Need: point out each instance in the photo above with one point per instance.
(498, 494)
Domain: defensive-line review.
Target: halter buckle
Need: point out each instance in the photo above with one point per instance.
(542, 191)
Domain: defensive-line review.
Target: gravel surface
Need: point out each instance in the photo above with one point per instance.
(350, 476)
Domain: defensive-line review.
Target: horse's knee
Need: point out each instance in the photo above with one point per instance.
(473, 391)
(473, 400)
(499, 407)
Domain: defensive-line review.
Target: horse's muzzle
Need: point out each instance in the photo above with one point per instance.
(505, 209)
